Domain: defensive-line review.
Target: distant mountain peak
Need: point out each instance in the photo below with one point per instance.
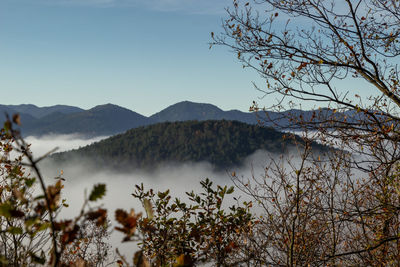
(187, 110)
(111, 108)
(187, 103)
(107, 106)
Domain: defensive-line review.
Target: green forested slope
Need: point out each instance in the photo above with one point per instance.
(222, 143)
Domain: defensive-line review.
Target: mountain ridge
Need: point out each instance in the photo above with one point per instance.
(110, 119)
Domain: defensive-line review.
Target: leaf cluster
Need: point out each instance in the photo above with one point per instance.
(30, 233)
(189, 233)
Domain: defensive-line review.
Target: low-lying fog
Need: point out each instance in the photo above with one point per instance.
(44, 144)
(179, 178)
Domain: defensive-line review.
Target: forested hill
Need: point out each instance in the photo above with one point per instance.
(222, 143)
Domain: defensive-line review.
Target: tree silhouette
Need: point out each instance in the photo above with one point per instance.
(348, 199)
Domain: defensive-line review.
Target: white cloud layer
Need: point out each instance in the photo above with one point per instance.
(80, 177)
(42, 145)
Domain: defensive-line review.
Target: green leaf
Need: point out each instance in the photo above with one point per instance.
(15, 230)
(5, 210)
(44, 226)
(29, 181)
(98, 191)
(31, 221)
(162, 195)
(230, 190)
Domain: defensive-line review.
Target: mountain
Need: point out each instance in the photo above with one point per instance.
(111, 119)
(10, 111)
(101, 120)
(30, 114)
(186, 110)
(39, 112)
(219, 142)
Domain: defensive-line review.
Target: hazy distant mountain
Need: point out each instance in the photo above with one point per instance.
(186, 110)
(10, 111)
(39, 112)
(222, 143)
(101, 120)
(111, 119)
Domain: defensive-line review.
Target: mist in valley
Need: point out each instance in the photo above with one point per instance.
(81, 175)
(44, 144)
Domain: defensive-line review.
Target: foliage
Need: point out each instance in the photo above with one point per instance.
(24, 220)
(99, 191)
(30, 232)
(186, 234)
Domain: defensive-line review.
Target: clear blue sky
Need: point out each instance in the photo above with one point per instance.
(141, 54)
